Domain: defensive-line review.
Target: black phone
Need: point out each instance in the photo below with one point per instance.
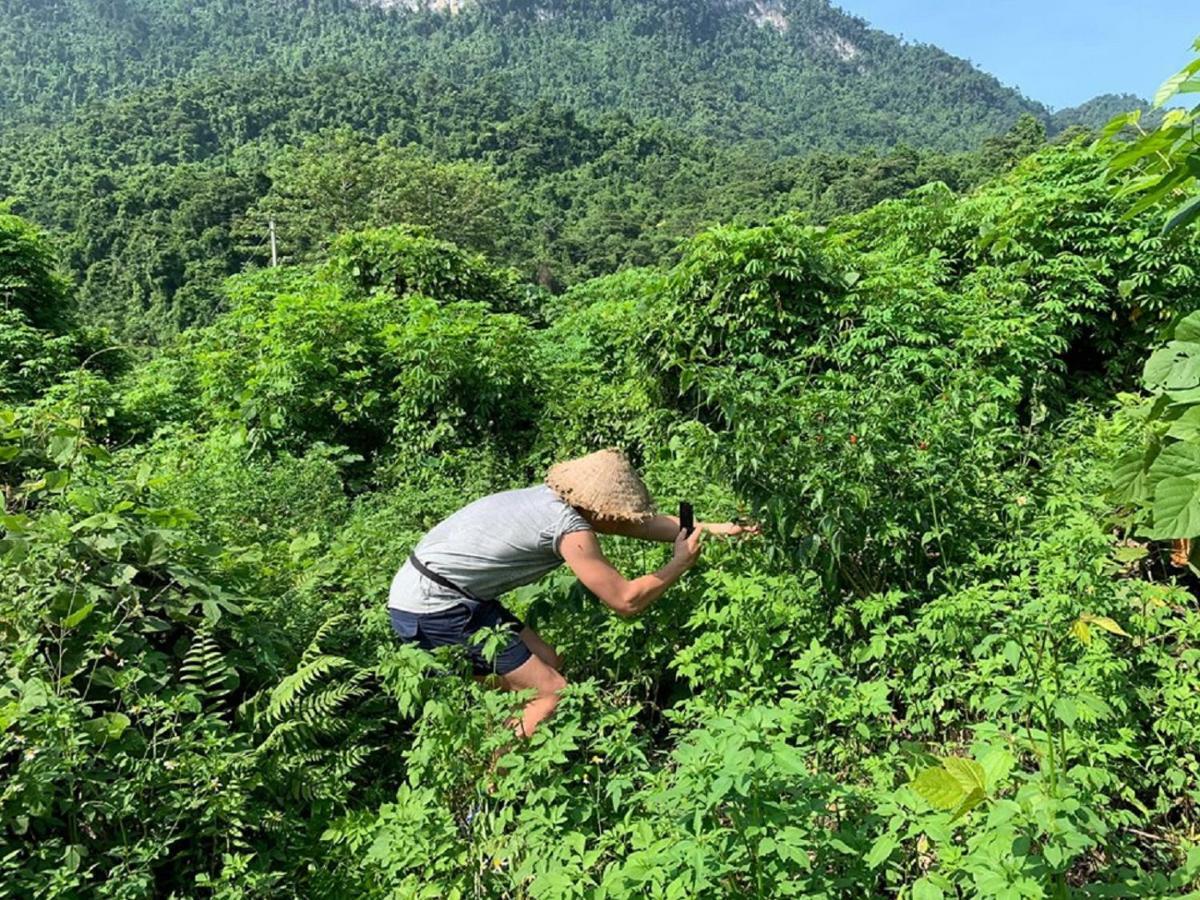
(687, 520)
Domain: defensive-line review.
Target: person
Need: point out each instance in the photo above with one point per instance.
(448, 589)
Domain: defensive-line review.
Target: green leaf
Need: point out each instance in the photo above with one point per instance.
(1175, 367)
(1188, 328)
(1129, 478)
(1179, 460)
(108, 727)
(967, 772)
(57, 480)
(1187, 426)
(1066, 711)
(996, 763)
(152, 549)
(1184, 214)
(924, 889)
(1105, 623)
(1170, 87)
(969, 802)
(881, 850)
(78, 615)
(1127, 555)
(1176, 507)
(940, 789)
(1081, 632)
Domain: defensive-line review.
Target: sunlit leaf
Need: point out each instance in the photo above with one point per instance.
(1081, 632)
(1105, 623)
(940, 789)
(881, 850)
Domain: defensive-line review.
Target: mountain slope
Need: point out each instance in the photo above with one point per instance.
(798, 74)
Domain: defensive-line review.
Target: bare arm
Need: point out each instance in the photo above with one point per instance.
(664, 528)
(626, 597)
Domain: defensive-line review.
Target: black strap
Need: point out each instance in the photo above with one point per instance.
(444, 581)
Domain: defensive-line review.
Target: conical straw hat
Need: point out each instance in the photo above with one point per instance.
(603, 483)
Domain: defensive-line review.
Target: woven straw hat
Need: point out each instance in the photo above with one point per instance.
(603, 483)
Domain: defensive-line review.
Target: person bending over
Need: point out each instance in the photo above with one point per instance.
(447, 590)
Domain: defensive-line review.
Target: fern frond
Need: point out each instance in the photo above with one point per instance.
(313, 650)
(289, 691)
(205, 670)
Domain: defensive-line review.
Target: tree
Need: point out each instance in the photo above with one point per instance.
(340, 181)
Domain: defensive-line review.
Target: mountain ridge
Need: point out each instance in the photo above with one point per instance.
(799, 74)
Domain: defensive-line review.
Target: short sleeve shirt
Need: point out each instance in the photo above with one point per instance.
(488, 547)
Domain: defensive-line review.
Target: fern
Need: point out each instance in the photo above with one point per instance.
(206, 671)
(316, 741)
(290, 693)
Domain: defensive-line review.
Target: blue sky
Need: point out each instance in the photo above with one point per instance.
(1060, 52)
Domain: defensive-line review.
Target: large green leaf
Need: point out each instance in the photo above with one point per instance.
(966, 772)
(1177, 508)
(1188, 328)
(1183, 214)
(1170, 87)
(937, 787)
(1175, 367)
(1187, 426)
(957, 786)
(1178, 460)
(1129, 478)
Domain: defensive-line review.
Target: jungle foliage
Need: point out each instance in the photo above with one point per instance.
(150, 225)
(957, 386)
(159, 141)
(952, 667)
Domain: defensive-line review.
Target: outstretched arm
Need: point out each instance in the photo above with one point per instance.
(665, 528)
(626, 597)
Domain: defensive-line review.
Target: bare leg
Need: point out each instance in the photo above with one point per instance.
(541, 649)
(534, 673)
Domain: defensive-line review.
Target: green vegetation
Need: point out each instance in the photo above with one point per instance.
(942, 673)
(961, 662)
(157, 140)
(150, 227)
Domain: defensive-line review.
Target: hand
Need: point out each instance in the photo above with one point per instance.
(732, 529)
(687, 547)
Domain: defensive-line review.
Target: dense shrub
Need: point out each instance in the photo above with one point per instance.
(948, 669)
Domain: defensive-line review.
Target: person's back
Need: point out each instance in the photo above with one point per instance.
(489, 547)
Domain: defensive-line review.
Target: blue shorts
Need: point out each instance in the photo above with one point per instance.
(456, 625)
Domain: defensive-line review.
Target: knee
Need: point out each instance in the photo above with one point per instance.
(552, 687)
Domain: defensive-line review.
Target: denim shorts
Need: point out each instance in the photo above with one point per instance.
(456, 625)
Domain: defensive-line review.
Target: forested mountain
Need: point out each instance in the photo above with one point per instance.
(151, 134)
(799, 74)
(1097, 112)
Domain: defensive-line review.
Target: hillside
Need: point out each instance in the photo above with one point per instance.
(282, 286)
(159, 140)
(798, 74)
(952, 665)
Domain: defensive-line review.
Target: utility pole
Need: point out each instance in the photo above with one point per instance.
(274, 255)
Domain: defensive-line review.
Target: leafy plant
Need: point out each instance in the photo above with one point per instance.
(1162, 166)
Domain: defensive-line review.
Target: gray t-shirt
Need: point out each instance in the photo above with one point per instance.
(488, 547)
